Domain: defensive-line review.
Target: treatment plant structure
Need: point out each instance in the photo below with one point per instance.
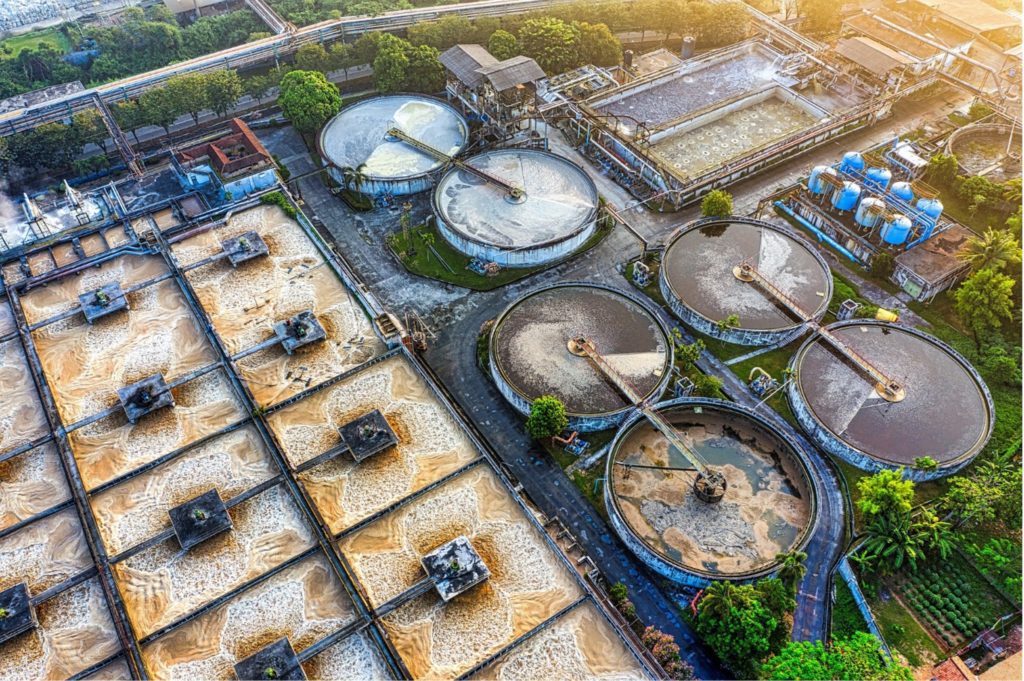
(363, 153)
(697, 280)
(768, 506)
(942, 411)
(530, 352)
(516, 207)
(220, 436)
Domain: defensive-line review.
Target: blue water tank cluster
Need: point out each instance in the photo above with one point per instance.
(878, 178)
(903, 191)
(869, 212)
(931, 210)
(896, 230)
(847, 197)
(852, 162)
(816, 184)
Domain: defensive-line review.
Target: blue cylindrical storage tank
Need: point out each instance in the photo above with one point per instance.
(852, 160)
(878, 178)
(903, 191)
(869, 212)
(931, 210)
(896, 230)
(815, 183)
(846, 198)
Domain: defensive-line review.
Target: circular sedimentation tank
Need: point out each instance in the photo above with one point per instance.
(358, 139)
(541, 208)
(530, 353)
(698, 280)
(768, 508)
(946, 413)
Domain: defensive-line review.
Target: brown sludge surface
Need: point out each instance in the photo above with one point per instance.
(245, 302)
(431, 444)
(164, 583)
(578, 647)
(31, 483)
(304, 603)
(528, 584)
(22, 418)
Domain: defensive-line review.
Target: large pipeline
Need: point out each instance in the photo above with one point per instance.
(817, 232)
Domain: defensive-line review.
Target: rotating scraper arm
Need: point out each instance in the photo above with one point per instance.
(585, 347)
(513, 190)
(888, 387)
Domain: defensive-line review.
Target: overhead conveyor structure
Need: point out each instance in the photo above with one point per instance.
(710, 484)
(515, 192)
(887, 387)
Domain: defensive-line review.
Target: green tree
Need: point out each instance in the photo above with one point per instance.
(942, 169)
(502, 45)
(553, 43)
(389, 68)
(223, 90)
(257, 87)
(792, 568)
(925, 463)
(885, 492)
(892, 542)
(689, 353)
(188, 93)
(340, 57)
(160, 107)
(740, 636)
(547, 417)
(730, 322)
(716, 203)
(722, 597)
(312, 57)
(994, 249)
(984, 302)
(819, 16)
(91, 128)
(308, 100)
(129, 116)
(705, 385)
(51, 145)
(883, 264)
(855, 658)
(976, 498)
(424, 72)
(598, 46)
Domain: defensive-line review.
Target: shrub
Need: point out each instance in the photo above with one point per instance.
(278, 199)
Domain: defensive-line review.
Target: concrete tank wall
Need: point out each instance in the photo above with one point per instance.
(525, 257)
(828, 441)
(660, 565)
(372, 187)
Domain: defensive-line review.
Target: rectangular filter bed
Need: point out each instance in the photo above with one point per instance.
(245, 302)
(527, 584)
(430, 444)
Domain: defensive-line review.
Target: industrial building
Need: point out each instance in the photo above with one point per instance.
(516, 207)
(363, 155)
(698, 280)
(531, 355)
(873, 202)
(223, 460)
(941, 409)
(676, 133)
(768, 507)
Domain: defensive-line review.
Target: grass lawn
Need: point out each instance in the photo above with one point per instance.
(16, 44)
(446, 264)
(846, 618)
(903, 634)
(591, 485)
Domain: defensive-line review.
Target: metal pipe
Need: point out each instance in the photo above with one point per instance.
(817, 232)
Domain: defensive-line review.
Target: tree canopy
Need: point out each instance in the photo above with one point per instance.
(885, 491)
(854, 658)
(308, 100)
(716, 203)
(547, 417)
(553, 43)
(984, 302)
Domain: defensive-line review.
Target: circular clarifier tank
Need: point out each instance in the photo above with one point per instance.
(358, 139)
(538, 208)
(946, 413)
(768, 507)
(530, 354)
(699, 283)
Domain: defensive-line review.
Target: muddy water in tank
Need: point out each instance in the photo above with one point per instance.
(527, 584)
(579, 646)
(304, 603)
(245, 302)
(764, 512)
(31, 483)
(22, 418)
(163, 583)
(430, 443)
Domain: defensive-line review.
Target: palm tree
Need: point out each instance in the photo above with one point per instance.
(892, 542)
(994, 249)
(934, 534)
(720, 598)
(792, 569)
(354, 177)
